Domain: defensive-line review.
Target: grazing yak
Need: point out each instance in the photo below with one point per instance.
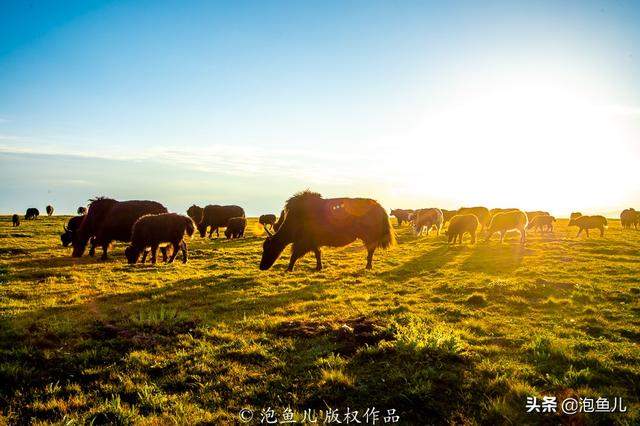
(267, 220)
(403, 215)
(235, 227)
(629, 217)
(49, 209)
(506, 221)
(15, 219)
(589, 222)
(447, 215)
(32, 213)
(108, 220)
(82, 210)
(310, 222)
(575, 215)
(153, 230)
(427, 218)
(543, 223)
(213, 216)
(482, 213)
(70, 229)
(496, 211)
(461, 224)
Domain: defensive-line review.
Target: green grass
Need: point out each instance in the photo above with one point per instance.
(458, 335)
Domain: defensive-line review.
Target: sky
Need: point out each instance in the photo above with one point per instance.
(533, 105)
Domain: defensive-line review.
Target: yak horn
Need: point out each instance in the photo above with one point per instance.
(65, 228)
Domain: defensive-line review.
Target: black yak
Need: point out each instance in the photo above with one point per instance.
(216, 217)
(152, 230)
(82, 210)
(235, 227)
(109, 220)
(15, 219)
(32, 213)
(195, 213)
(70, 229)
(49, 209)
(403, 215)
(310, 222)
(267, 220)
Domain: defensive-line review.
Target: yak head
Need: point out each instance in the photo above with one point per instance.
(66, 237)
(132, 254)
(79, 241)
(228, 233)
(274, 245)
(195, 213)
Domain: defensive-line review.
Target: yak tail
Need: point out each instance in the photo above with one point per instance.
(191, 227)
(388, 235)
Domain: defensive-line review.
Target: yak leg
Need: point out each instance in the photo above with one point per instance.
(502, 236)
(296, 253)
(587, 231)
(154, 253)
(579, 232)
(217, 232)
(105, 249)
(473, 237)
(184, 252)
(163, 251)
(176, 249)
(318, 259)
(144, 255)
(523, 236)
(370, 251)
(601, 231)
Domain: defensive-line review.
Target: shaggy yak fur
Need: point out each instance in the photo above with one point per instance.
(267, 220)
(311, 222)
(506, 221)
(72, 226)
(15, 219)
(543, 223)
(427, 218)
(403, 215)
(213, 216)
(108, 220)
(235, 227)
(461, 224)
(152, 230)
(32, 213)
(49, 210)
(589, 222)
(482, 213)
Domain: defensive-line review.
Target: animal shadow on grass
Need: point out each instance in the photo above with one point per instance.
(426, 262)
(495, 258)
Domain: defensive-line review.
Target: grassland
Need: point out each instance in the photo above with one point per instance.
(440, 334)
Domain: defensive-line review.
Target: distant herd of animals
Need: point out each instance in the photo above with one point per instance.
(307, 222)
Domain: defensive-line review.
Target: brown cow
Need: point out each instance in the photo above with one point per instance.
(311, 222)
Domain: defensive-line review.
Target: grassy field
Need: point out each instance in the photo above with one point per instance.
(440, 334)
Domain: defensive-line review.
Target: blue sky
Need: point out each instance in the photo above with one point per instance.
(413, 103)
